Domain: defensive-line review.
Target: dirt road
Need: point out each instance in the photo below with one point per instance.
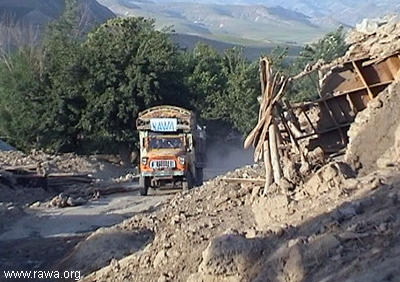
(43, 237)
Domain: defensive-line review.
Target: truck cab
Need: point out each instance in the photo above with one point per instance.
(171, 148)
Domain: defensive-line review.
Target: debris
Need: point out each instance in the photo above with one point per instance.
(374, 38)
(245, 180)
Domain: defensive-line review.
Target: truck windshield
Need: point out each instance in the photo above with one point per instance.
(166, 143)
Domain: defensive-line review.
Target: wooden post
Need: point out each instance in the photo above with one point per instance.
(268, 167)
(274, 151)
(292, 136)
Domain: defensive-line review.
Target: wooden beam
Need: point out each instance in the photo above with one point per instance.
(274, 149)
(256, 181)
(352, 105)
(358, 71)
(309, 120)
(290, 133)
(268, 167)
(331, 115)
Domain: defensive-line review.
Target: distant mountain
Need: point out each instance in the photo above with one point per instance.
(348, 12)
(23, 21)
(243, 24)
(186, 41)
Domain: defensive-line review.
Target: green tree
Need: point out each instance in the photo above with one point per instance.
(279, 59)
(62, 90)
(330, 47)
(129, 66)
(206, 81)
(41, 100)
(223, 86)
(20, 109)
(242, 90)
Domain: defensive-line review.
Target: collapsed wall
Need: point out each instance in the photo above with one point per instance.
(373, 133)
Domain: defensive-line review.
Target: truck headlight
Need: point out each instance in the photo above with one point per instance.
(144, 160)
(181, 160)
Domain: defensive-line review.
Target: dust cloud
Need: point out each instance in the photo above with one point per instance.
(226, 156)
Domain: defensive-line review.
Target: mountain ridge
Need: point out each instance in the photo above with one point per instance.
(23, 22)
(348, 12)
(248, 22)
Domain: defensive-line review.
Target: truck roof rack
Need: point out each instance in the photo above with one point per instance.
(186, 120)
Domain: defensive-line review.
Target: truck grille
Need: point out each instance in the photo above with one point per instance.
(161, 164)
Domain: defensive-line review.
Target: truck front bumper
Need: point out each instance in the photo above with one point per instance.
(162, 173)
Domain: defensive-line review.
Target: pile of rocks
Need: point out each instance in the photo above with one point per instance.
(375, 38)
(375, 134)
(45, 163)
(230, 232)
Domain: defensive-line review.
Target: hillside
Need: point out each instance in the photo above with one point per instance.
(187, 41)
(250, 21)
(249, 24)
(348, 12)
(22, 22)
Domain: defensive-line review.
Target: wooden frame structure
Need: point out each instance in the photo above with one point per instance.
(346, 89)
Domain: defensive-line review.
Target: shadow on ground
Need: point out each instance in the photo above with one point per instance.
(357, 241)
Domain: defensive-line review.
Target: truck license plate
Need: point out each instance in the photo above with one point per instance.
(160, 164)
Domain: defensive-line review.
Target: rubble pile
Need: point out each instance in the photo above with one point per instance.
(374, 38)
(189, 219)
(229, 232)
(61, 180)
(45, 163)
(376, 130)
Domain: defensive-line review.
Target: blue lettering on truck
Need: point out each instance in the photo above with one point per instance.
(164, 124)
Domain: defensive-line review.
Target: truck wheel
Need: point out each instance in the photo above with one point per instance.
(143, 191)
(188, 182)
(199, 176)
(143, 186)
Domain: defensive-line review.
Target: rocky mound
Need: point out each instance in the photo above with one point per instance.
(375, 134)
(334, 227)
(101, 167)
(47, 163)
(375, 37)
(60, 180)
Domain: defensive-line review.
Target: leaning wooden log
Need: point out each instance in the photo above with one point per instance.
(254, 133)
(291, 134)
(263, 66)
(273, 146)
(68, 181)
(266, 119)
(309, 69)
(268, 167)
(67, 175)
(22, 168)
(258, 152)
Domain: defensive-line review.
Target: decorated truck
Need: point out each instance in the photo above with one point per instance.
(172, 148)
